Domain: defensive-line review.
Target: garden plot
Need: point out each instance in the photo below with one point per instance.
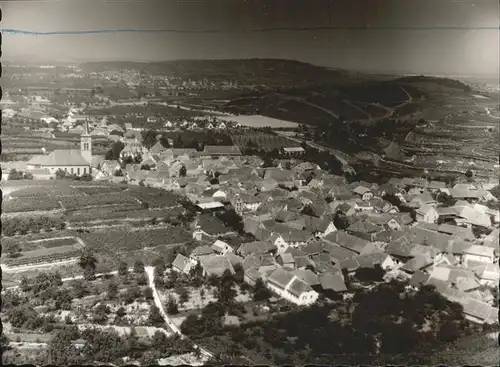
(41, 203)
(200, 297)
(78, 202)
(131, 239)
(42, 256)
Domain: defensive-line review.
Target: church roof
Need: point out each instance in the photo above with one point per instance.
(64, 157)
(85, 129)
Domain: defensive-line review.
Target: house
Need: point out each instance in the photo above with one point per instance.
(369, 260)
(463, 194)
(215, 265)
(488, 274)
(350, 242)
(72, 161)
(334, 282)
(423, 199)
(182, 264)
(426, 213)
(210, 226)
(201, 251)
(477, 254)
(290, 287)
(470, 216)
(221, 247)
(244, 202)
(363, 192)
(257, 247)
(286, 260)
(364, 228)
(283, 238)
(463, 233)
(293, 151)
(110, 167)
(308, 277)
(479, 312)
(417, 263)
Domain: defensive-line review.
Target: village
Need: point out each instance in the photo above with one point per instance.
(234, 205)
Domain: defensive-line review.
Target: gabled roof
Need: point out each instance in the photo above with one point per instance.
(417, 263)
(307, 276)
(216, 264)
(64, 157)
(419, 278)
(346, 240)
(202, 251)
(181, 262)
(302, 261)
(332, 281)
(364, 226)
(479, 250)
(298, 287)
(256, 247)
(286, 258)
(399, 247)
(338, 253)
(462, 232)
(360, 190)
(219, 245)
(280, 278)
(369, 260)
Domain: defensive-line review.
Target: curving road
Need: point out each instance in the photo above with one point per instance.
(150, 273)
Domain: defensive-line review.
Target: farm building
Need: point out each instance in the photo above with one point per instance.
(293, 151)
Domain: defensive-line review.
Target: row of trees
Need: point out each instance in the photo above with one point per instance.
(107, 346)
(19, 175)
(23, 225)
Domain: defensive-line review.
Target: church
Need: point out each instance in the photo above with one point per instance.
(72, 161)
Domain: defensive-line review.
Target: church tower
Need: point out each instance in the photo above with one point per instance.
(86, 143)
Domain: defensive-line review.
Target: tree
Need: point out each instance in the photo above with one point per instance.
(183, 295)
(88, 263)
(375, 274)
(112, 290)
(149, 138)
(340, 221)
(12, 249)
(101, 313)
(183, 171)
(121, 312)
(114, 153)
(155, 317)
(469, 174)
(226, 292)
(138, 267)
(260, 291)
(122, 269)
(61, 350)
(148, 293)
(172, 308)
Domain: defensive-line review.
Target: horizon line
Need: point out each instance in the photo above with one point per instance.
(14, 31)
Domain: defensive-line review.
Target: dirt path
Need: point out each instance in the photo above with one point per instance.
(150, 273)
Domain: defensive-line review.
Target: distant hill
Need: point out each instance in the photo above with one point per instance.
(445, 82)
(270, 72)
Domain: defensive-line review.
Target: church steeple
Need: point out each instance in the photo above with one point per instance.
(86, 143)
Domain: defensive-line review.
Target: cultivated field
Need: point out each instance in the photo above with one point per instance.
(258, 121)
(265, 141)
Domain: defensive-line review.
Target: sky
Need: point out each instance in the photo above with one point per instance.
(414, 36)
